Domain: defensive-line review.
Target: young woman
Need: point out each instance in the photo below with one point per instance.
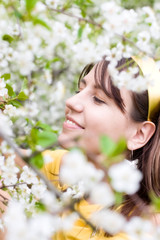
(100, 108)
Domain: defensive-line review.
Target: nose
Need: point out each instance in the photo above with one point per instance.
(75, 103)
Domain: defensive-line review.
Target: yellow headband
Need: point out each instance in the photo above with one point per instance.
(149, 67)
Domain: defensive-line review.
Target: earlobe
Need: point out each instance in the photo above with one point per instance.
(144, 132)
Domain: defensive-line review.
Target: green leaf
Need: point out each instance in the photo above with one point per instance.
(136, 3)
(56, 59)
(80, 32)
(30, 4)
(43, 126)
(40, 206)
(120, 147)
(24, 84)
(33, 136)
(37, 161)
(107, 145)
(42, 23)
(46, 138)
(118, 198)
(110, 148)
(6, 76)
(22, 96)
(7, 38)
(11, 92)
(15, 103)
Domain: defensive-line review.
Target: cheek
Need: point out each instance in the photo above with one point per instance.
(113, 125)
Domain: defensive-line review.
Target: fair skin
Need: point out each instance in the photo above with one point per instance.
(90, 114)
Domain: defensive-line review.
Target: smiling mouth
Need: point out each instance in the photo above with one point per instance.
(69, 123)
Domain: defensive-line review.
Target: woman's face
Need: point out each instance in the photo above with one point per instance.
(90, 114)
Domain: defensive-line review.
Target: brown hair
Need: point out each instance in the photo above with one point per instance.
(149, 155)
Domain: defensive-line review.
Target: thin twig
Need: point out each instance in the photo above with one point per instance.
(13, 185)
(74, 16)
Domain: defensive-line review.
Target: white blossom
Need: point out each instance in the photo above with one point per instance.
(102, 194)
(125, 177)
(138, 228)
(38, 189)
(10, 110)
(3, 89)
(76, 168)
(110, 221)
(28, 176)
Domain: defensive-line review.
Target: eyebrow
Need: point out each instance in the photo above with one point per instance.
(84, 82)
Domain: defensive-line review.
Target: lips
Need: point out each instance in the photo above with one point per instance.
(72, 124)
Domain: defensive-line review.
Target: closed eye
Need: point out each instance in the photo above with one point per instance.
(97, 100)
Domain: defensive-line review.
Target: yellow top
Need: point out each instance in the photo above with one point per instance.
(80, 230)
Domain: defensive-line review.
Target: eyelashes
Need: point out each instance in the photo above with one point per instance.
(95, 99)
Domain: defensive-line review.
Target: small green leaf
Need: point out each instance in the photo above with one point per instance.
(15, 103)
(37, 161)
(7, 38)
(11, 92)
(24, 84)
(40, 206)
(155, 201)
(30, 4)
(80, 32)
(43, 126)
(46, 138)
(42, 23)
(110, 148)
(107, 145)
(120, 147)
(6, 76)
(118, 198)
(22, 96)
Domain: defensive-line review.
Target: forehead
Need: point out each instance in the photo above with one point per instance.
(94, 76)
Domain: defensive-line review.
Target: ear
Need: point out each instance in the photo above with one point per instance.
(141, 136)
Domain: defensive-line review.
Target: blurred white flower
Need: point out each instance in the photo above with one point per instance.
(52, 3)
(102, 194)
(125, 177)
(15, 214)
(10, 110)
(141, 229)
(76, 168)
(76, 191)
(110, 221)
(5, 148)
(144, 36)
(25, 62)
(67, 222)
(51, 202)
(2, 159)
(3, 89)
(47, 158)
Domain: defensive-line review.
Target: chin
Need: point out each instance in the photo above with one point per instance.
(66, 142)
